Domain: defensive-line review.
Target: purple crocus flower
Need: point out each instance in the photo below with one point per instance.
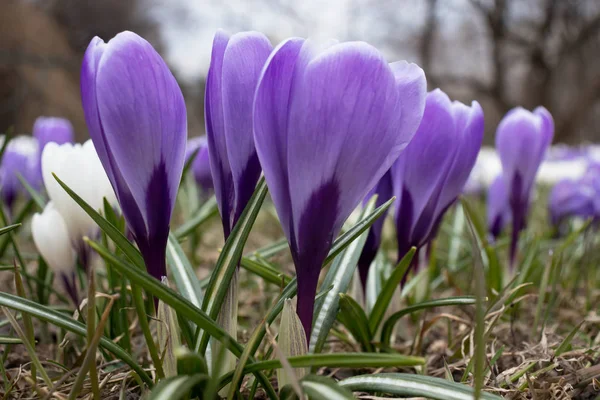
(384, 192)
(571, 198)
(234, 70)
(431, 173)
(201, 163)
(498, 209)
(522, 139)
(20, 158)
(328, 125)
(136, 116)
(52, 129)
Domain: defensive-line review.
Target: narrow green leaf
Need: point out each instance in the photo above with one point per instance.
(269, 250)
(37, 197)
(564, 345)
(10, 340)
(229, 258)
(9, 228)
(183, 273)
(334, 360)
(176, 387)
(208, 210)
(265, 272)
(339, 276)
(354, 318)
(409, 385)
(388, 326)
(183, 306)
(385, 296)
(324, 388)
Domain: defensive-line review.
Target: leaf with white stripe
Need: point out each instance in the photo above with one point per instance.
(410, 385)
(177, 387)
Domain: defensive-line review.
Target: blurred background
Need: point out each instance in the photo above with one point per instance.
(502, 53)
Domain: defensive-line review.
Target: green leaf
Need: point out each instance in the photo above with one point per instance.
(564, 345)
(339, 276)
(180, 304)
(264, 271)
(176, 387)
(69, 324)
(183, 273)
(323, 388)
(208, 210)
(334, 360)
(111, 231)
(229, 258)
(9, 228)
(409, 385)
(385, 296)
(388, 327)
(39, 200)
(269, 250)
(354, 318)
(10, 340)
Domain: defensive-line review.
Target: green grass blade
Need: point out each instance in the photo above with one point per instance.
(324, 388)
(335, 360)
(388, 326)
(387, 292)
(564, 345)
(229, 259)
(339, 276)
(69, 324)
(183, 273)
(176, 387)
(9, 228)
(208, 210)
(37, 197)
(409, 385)
(353, 317)
(267, 273)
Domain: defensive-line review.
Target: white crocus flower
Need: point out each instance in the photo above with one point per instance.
(52, 240)
(79, 167)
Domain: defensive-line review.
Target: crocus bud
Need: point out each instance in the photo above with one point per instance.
(51, 237)
(384, 192)
(52, 129)
(522, 139)
(570, 198)
(327, 126)
(79, 167)
(20, 158)
(498, 209)
(235, 67)
(201, 163)
(136, 116)
(431, 173)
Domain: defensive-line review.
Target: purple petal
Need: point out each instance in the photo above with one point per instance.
(271, 105)
(201, 164)
(52, 129)
(498, 208)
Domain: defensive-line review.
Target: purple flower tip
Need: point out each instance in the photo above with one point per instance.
(431, 173)
(522, 139)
